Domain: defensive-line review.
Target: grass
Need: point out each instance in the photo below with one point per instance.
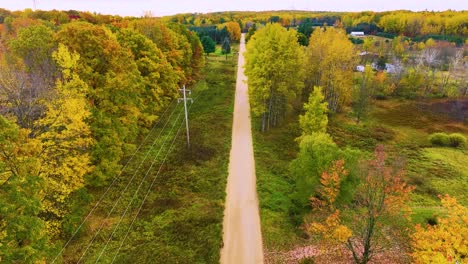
(402, 126)
(273, 152)
(181, 220)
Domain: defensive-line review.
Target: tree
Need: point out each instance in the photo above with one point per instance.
(160, 78)
(115, 89)
(380, 201)
(175, 47)
(234, 30)
(226, 47)
(197, 61)
(444, 242)
(22, 93)
(315, 118)
(66, 141)
(250, 32)
(324, 208)
(34, 45)
(274, 70)
(316, 153)
(23, 238)
(364, 91)
(208, 44)
(330, 63)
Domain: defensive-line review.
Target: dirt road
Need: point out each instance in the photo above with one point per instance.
(242, 235)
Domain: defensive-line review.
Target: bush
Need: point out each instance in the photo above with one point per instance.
(439, 139)
(453, 140)
(457, 140)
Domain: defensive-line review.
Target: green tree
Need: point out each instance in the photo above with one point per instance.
(226, 46)
(363, 93)
(330, 63)
(275, 73)
(316, 153)
(23, 238)
(315, 118)
(160, 79)
(209, 45)
(34, 45)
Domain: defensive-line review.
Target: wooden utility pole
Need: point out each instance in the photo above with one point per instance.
(184, 98)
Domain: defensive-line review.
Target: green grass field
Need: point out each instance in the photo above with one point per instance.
(402, 127)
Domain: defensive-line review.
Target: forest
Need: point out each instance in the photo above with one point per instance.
(360, 141)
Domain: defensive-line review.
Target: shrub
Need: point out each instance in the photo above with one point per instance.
(439, 139)
(457, 140)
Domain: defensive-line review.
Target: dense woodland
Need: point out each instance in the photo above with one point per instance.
(79, 91)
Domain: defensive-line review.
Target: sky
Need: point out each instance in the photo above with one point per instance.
(170, 7)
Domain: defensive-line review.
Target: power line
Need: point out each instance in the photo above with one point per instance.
(185, 99)
(149, 189)
(113, 182)
(126, 187)
(138, 189)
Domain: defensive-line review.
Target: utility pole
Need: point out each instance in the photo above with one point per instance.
(34, 4)
(184, 91)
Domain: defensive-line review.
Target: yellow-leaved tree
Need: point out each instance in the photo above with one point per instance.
(330, 60)
(445, 242)
(234, 30)
(66, 139)
(273, 65)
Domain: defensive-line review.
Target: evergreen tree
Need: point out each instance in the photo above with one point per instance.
(208, 44)
(226, 47)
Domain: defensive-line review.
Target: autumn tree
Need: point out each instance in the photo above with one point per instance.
(197, 61)
(274, 70)
(160, 79)
(115, 89)
(380, 202)
(234, 30)
(168, 41)
(325, 219)
(66, 141)
(444, 242)
(330, 61)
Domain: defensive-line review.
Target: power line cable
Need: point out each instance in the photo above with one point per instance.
(138, 190)
(149, 189)
(126, 187)
(112, 183)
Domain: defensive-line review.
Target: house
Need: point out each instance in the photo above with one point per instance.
(392, 68)
(360, 68)
(357, 34)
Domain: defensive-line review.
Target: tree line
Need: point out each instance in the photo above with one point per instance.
(75, 97)
(402, 22)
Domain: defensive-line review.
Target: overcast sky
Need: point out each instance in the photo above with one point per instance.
(169, 7)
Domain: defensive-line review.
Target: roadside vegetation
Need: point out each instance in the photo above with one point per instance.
(322, 168)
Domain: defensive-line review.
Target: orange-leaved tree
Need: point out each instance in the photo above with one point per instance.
(379, 210)
(329, 224)
(445, 242)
